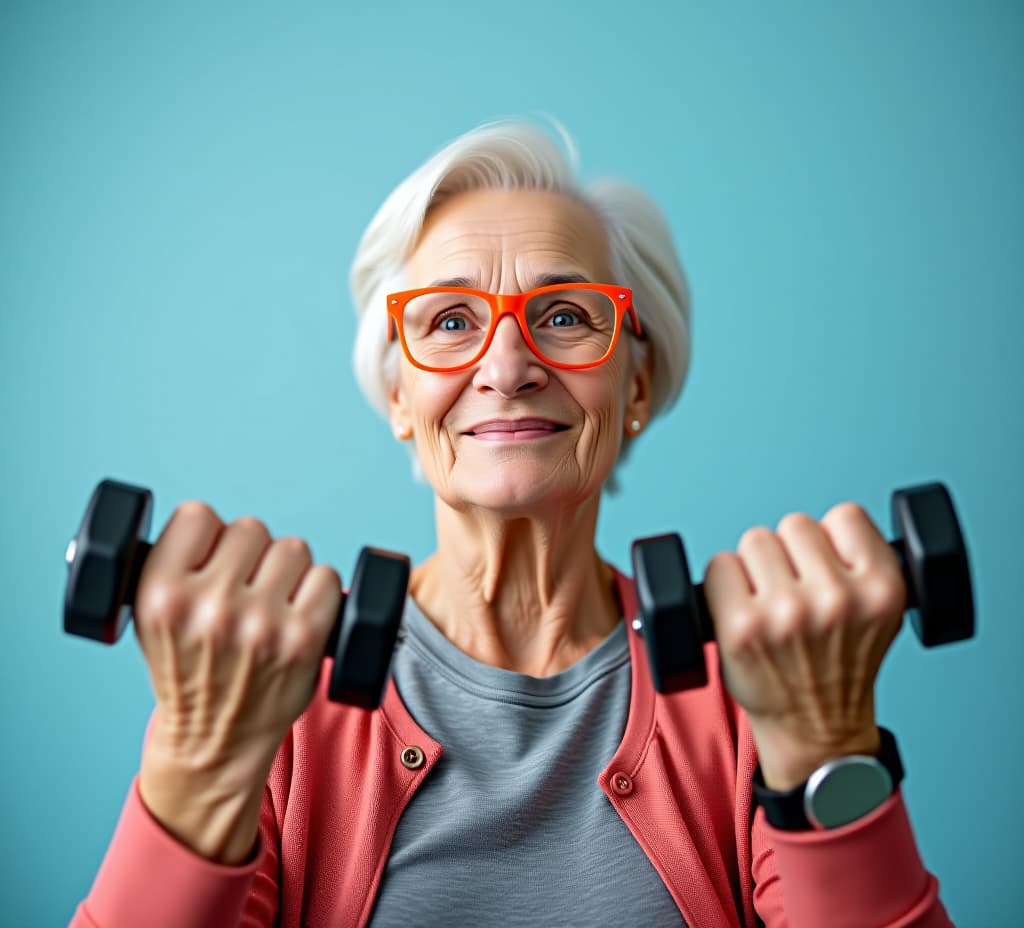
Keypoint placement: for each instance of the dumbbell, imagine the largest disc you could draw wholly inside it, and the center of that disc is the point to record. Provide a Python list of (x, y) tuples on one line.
[(928, 544), (105, 561)]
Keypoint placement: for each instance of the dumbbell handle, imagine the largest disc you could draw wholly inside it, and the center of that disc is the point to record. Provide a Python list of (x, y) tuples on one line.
[(707, 627)]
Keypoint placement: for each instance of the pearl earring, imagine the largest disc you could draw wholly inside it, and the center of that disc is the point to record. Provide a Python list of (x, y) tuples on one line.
[(403, 433), (635, 425)]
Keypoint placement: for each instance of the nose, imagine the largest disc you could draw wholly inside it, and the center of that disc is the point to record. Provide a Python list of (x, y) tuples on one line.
[(509, 367)]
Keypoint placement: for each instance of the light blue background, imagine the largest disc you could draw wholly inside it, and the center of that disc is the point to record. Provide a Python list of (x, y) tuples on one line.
[(183, 186)]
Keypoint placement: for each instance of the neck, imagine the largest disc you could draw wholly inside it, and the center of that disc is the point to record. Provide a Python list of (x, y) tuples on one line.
[(526, 593)]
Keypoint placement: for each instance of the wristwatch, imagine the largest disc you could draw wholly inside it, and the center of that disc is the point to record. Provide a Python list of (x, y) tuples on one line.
[(837, 793)]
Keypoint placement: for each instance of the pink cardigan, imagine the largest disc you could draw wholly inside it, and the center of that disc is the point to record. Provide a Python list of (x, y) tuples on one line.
[(680, 780)]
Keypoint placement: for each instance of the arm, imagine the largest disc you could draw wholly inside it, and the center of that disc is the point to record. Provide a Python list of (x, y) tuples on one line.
[(803, 618), (233, 627)]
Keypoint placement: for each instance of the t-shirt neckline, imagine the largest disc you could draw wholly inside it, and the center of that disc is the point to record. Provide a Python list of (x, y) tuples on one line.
[(498, 684)]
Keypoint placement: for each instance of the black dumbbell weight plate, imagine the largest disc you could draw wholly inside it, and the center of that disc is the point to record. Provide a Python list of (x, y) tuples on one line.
[(370, 622), (935, 564), (103, 561), (669, 613)]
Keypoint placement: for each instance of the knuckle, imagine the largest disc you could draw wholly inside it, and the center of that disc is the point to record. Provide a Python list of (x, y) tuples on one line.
[(794, 521), (195, 509), (882, 594), (745, 631), (330, 576), (833, 605), (295, 547), (300, 643), (718, 559), (755, 535), (712, 572), (258, 632), (252, 526), (848, 511), (789, 613), (163, 604), (215, 616), (326, 582)]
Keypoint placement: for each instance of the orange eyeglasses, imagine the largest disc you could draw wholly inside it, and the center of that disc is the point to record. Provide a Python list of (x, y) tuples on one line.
[(571, 326)]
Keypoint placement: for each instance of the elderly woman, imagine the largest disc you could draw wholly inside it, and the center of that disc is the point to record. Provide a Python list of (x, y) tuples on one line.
[(519, 333)]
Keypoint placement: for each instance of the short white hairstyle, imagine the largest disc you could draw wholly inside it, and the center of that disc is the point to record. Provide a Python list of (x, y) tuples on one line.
[(515, 154)]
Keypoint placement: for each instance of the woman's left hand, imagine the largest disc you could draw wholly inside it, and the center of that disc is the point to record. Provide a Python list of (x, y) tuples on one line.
[(803, 617)]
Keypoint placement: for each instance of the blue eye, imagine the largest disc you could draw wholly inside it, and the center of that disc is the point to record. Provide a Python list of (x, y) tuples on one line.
[(454, 324), (563, 319)]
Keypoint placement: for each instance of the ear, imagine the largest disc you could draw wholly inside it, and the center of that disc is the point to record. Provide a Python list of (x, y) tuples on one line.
[(398, 412), (638, 390)]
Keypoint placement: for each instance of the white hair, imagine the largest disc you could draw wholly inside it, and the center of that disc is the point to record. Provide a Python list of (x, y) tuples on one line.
[(518, 155)]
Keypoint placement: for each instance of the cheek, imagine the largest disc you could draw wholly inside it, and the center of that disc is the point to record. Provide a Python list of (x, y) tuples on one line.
[(602, 399), (431, 396)]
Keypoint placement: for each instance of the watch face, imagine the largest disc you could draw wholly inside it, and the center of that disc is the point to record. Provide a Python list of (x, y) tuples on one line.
[(846, 789)]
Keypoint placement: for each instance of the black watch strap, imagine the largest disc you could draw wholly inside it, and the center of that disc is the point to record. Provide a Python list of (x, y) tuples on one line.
[(787, 810)]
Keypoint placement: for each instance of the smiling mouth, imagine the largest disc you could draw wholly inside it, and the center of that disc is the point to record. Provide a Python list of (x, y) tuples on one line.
[(516, 430)]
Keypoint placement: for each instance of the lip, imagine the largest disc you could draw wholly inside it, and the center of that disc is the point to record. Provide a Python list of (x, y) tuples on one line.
[(511, 426)]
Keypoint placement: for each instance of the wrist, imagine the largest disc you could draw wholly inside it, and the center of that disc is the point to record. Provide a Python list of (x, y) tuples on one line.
[(214, 813), (838, 792), (786, 762)]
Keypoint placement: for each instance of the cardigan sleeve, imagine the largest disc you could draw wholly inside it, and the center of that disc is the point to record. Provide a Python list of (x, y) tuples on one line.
[(866, 873), (149, 878)]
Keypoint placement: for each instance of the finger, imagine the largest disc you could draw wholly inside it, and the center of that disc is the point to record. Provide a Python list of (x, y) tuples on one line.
[(319, 591), (319, 596), (879, 581), (856, 539), (810, 549), (239, 550), (282, 568), (727, 589), (766, 561), (188, 538)]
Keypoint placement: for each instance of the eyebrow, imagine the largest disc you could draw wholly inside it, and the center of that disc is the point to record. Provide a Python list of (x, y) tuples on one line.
[(544, 280)]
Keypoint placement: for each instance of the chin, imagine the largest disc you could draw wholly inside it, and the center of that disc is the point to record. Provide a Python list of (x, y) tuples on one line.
[(519, 489)]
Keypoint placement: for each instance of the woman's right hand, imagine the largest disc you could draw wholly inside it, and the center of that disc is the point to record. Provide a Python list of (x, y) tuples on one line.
[(233, 626)]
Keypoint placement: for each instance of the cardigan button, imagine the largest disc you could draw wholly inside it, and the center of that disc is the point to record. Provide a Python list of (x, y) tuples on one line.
[(622, 783), (412, 757)]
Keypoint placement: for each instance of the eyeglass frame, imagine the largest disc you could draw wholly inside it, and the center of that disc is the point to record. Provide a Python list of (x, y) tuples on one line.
[(512, 304)]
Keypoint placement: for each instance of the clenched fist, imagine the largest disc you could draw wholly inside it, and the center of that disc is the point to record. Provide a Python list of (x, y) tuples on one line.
[(803, 617), (233, 626)]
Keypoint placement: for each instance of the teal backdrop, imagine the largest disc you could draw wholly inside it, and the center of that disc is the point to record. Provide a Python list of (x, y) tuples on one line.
[(183, 187)]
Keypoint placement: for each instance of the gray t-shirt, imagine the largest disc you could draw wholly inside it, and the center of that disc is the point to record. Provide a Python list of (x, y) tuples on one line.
[(511, 829)]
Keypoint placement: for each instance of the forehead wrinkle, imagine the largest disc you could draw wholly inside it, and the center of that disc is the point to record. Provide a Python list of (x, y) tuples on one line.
[(482, 244), (459, 241), (571, 225), (546, 252)]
